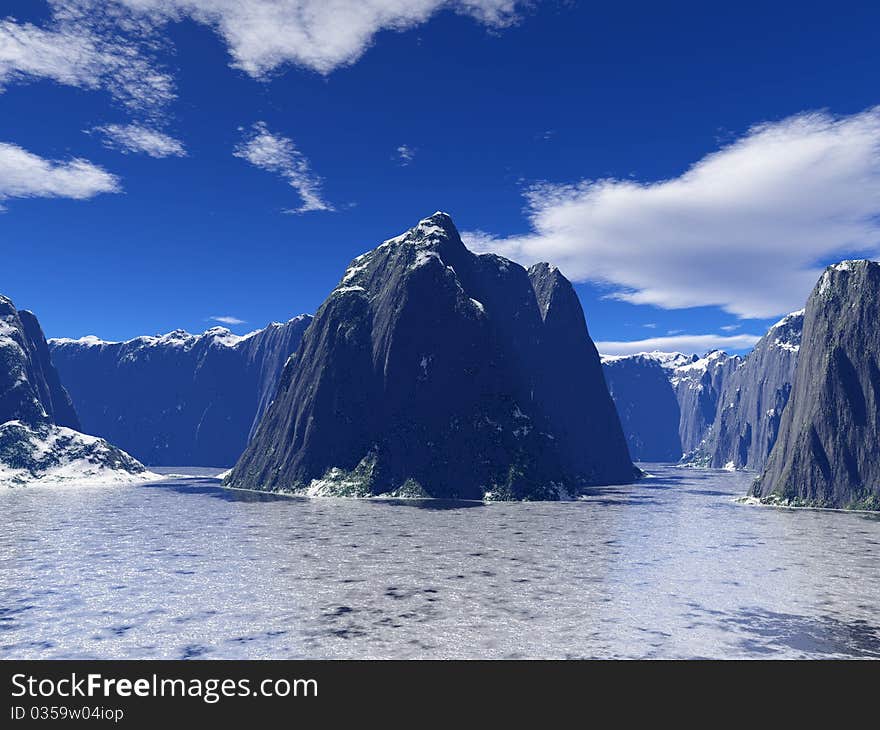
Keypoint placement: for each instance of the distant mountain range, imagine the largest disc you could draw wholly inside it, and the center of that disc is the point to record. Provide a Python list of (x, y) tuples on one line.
[(39, 437), (802, 408), (753, 399), (729, 407), (431, 371), (642, 385), (647, 404), (177, 399)]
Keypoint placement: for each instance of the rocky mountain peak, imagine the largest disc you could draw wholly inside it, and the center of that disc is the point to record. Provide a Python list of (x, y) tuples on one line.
[(30, 389), (826, 453), (549, 284), (846, 278), (430, 370)]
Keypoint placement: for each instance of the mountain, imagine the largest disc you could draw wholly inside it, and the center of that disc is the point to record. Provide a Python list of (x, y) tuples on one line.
[(39, 440), (641, 384), (698, 386), (432, 371), (647, 405), (753, 399), (177, 399), (826, 454), (29, 384), (729, 408)]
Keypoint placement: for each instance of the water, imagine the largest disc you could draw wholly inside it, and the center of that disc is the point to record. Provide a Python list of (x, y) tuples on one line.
[(670, 567)]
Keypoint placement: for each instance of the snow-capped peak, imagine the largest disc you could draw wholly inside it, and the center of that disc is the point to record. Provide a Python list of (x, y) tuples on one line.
[(786, 333), (787, 319), (667, 360)]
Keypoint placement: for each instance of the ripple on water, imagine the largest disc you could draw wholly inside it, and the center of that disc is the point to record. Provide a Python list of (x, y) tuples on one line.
[(667, 567)]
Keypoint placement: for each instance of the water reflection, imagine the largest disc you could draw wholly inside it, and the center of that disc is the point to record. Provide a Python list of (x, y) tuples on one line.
[(667, 567)]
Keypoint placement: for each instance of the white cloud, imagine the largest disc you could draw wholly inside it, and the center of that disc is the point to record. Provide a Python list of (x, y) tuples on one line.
[(262, 35), (116, 46), (731, 327), (26, 175), (28, 51), (746, 228), (137, 138), (89, 50), (227, 319), (688, 344), (279, 154), (405, 154), (113, 44)]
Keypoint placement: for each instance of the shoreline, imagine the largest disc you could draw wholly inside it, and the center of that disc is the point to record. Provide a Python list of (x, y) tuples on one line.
[(749, 501)]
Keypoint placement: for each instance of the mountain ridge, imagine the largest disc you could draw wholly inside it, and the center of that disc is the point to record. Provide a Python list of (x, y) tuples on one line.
[(178, 398), (422, 375)]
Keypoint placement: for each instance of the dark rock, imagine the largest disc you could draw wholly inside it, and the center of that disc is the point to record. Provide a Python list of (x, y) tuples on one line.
[(51, 393), (432, 371), (30, 389)]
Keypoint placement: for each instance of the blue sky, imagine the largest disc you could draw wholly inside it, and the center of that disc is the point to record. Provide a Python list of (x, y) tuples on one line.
[(235, 165)]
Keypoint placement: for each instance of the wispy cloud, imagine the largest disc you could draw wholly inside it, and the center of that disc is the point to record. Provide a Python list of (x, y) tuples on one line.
[(731, 327), (137, 138), (688, 344), (263, 35), (746, 228), (405, 154), (86, 48), (26, 175), (117, 46), (279, 155), (227, 319), (112, 44)]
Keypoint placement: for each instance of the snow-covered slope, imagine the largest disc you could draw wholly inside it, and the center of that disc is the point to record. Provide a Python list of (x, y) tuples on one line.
[(36, 443), (53, 455)]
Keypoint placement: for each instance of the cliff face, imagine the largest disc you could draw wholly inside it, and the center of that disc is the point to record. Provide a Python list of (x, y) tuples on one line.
[(730, 407), (30, 389), (178, 399), (753, 399), (827, 451), (264, 356), (647, 405), (432, 371), (38, 439), (698, 386)]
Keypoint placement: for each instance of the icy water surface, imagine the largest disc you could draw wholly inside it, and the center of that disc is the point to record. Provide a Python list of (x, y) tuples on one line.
[(669, 567)]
